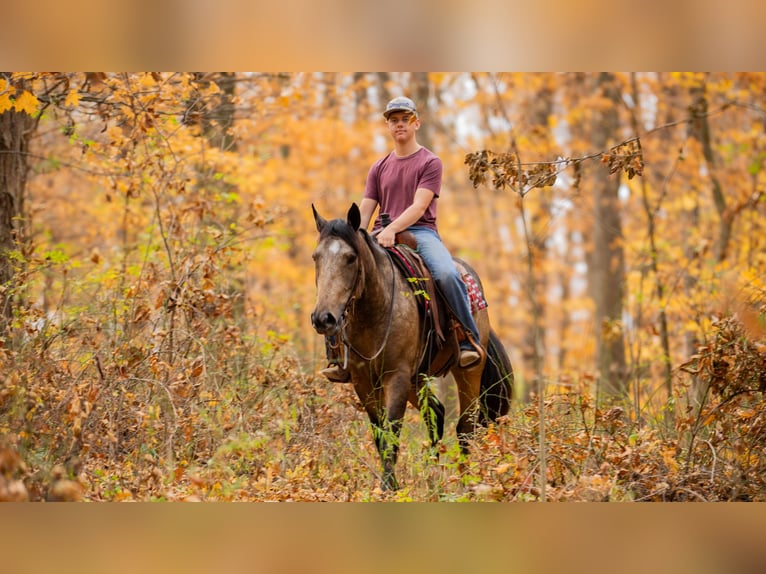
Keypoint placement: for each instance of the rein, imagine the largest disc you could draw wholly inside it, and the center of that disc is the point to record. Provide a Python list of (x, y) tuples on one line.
[(347, 343)]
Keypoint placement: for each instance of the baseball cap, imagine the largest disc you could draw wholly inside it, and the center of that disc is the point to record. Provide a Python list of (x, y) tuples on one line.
[(400, 104)]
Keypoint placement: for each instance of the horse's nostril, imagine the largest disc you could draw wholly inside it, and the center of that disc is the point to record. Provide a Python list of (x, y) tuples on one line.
[(323, 321)]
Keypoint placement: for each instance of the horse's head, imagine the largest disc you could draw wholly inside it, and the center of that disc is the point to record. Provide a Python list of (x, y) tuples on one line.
[(338, 269)]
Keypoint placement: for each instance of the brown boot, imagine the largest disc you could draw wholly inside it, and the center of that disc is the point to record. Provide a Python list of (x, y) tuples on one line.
[(336, 374), (470, 352), (468, 357)]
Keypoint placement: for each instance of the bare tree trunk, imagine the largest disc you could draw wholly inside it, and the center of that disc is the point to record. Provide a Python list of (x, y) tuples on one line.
[(607, 264), (15, 130), (385, 95), (421, 91), (217, 121), (700, 130), (565, 278), (536, 110)]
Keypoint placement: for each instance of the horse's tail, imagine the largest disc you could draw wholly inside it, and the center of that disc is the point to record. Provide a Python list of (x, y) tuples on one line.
[(496, 381)]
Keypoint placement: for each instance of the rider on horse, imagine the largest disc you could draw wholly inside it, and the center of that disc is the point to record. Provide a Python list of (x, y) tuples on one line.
[(406, 184)]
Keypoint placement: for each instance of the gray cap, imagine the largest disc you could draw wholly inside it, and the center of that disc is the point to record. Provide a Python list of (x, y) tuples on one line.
[(400, 104)]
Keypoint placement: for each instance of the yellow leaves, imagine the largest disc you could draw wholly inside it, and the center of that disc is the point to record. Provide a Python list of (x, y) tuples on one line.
[(752, 277), (6, 91), (669, 458), (72, 99), (147, 81), (689, 202), (26, 102)]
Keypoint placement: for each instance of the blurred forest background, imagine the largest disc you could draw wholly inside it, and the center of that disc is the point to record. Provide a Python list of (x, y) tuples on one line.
[(156, 282)]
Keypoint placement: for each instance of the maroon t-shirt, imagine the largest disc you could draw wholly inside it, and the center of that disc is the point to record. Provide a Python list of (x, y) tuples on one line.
[(392, 182)]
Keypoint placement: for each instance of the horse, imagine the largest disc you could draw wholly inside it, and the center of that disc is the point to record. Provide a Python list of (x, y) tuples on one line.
[(366, 302)]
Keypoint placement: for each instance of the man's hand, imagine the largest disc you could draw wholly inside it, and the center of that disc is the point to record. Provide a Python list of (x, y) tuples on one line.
[(386, 237)]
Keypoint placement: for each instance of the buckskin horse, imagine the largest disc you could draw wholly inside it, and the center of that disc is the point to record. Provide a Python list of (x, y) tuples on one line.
[(394, 344)]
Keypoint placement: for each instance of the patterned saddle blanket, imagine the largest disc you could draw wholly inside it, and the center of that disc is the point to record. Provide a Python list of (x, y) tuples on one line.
[(422, 284)]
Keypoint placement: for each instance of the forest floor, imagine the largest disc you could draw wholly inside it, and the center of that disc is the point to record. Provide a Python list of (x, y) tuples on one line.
[(296, 437)]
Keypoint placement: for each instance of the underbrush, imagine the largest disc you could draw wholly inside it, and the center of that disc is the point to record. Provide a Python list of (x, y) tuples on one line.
[(233, 417)]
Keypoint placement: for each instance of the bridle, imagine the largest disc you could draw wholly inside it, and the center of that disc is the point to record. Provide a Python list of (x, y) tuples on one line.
[(349, 303)]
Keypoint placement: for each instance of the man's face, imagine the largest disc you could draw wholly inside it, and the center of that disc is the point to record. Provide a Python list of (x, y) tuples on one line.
[(402, 125)]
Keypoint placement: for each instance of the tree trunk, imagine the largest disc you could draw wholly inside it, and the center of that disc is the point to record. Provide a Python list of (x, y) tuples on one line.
[(537, 109), (15, 129), (218, 120), (421, 91), (700, 130), (383, 79), (607, 264)]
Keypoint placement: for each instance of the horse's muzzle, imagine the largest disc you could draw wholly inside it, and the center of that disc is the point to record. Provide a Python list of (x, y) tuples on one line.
[(324, 323)]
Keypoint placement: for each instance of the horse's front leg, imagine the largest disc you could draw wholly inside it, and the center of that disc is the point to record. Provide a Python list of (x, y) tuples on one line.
[(431, 410), (386, 434), (386, 421)]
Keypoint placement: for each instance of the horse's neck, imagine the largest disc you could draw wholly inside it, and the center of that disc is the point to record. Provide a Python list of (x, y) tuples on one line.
[(375, 300)]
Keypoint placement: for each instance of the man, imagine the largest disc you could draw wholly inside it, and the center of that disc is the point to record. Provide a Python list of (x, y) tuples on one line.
[(406, 184)]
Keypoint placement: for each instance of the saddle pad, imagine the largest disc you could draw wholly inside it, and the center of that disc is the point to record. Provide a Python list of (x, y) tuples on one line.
[(475, 296)]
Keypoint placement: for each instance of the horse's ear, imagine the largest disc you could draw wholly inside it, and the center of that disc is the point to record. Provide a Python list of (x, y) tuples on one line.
[(320, 221), (354, 217)]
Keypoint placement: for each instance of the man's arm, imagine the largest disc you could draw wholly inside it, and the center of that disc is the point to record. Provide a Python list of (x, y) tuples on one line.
[(423, 198), (367, 208)]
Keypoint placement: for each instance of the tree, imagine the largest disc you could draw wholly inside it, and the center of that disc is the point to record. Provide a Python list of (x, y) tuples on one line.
[(421, 91), (17, 123), (606, 266)]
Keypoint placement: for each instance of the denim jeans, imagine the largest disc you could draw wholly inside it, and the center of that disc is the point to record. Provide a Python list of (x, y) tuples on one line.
[(439, 261)]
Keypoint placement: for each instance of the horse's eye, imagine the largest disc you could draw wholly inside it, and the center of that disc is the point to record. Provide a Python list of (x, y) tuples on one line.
[(350, 258)]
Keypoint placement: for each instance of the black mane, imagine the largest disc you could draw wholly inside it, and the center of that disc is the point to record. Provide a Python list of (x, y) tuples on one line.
[(339, 228)]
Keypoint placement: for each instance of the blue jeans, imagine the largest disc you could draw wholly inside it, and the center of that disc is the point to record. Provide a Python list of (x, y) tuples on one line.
[(439, 261)]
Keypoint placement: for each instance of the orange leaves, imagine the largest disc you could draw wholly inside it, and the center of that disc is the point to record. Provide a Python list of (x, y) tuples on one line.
[(506, 171), (186, 274), (627, 157)]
